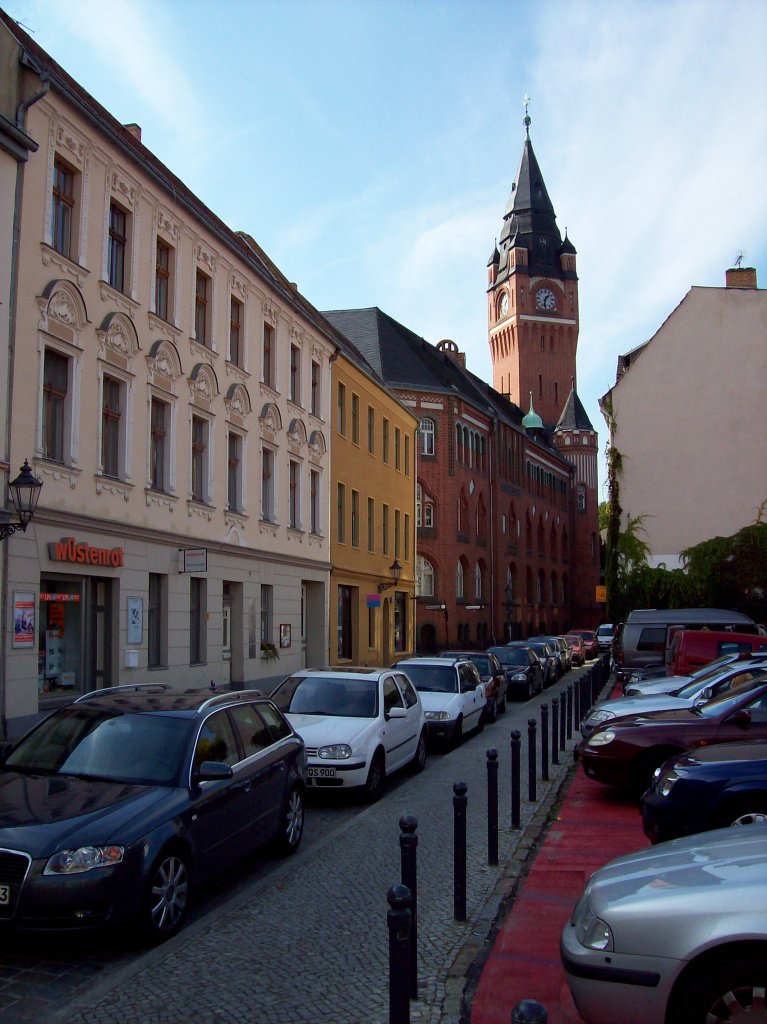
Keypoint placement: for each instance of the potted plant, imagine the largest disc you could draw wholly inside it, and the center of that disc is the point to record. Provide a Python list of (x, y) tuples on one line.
[(269, 652)]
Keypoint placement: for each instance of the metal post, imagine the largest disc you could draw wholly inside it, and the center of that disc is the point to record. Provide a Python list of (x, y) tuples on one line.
[(408, 845), (569, 710), (398, 920), (555, 730), (516, 742), (545, 742), (492, 806), (531, 730), (459, 850), (562, 720)]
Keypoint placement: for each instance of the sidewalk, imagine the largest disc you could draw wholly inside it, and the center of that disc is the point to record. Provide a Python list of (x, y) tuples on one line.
[(593, 825)]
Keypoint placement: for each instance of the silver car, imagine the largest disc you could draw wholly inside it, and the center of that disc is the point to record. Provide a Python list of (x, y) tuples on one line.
[(667, 684), (676, 934), (695, 691)]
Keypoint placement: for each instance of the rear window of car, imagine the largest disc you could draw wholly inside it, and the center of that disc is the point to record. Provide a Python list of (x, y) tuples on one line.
[(328, 695), (652, 638), (433, 678)]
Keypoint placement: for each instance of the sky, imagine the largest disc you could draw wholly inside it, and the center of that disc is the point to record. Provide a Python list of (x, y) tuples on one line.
[(370, 146)]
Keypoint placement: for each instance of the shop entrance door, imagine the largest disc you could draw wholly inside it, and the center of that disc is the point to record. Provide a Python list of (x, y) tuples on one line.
[(100, 657)]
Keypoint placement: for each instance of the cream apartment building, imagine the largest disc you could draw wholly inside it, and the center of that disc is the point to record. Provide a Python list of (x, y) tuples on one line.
[(172, 393), (685, 414)]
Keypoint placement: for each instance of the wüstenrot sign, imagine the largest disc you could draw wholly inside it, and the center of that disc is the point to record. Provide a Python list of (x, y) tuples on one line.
[(68, 550)]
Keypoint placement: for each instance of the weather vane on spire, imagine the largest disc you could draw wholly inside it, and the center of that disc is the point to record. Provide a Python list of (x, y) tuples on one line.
[(526, 121)]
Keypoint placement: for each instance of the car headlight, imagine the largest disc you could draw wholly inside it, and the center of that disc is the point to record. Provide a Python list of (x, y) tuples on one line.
[(593, 933), (335, 751), (601, 738), (519, 677), (86, 858), (665, 783), (594, 718), (436, 716)]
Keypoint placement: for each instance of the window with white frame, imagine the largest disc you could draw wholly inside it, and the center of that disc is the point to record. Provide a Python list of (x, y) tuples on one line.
[(234, 489), (294, 389), (397, 531), (355, 519), (200, 459), (56, 405), (426, 432), (113, 426), (424, 577), (460, 582), (294, 494), (235, 331), (267, 484), (118, 251), (267, 356), (164, 270), (406, 544), (159, 445), (203, 296), (385, 529), (478, 581), (341, 513), (267, 602), (355, 418), (315, 522), (371, 524), (63, 209), (316, 406)]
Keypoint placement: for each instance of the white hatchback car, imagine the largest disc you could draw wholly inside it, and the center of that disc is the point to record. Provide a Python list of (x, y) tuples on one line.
[(359, 724), (452, 693)]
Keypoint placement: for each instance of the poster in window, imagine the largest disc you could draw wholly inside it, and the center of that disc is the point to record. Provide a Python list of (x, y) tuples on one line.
[(135, 619), (23, 619), (285, 634)]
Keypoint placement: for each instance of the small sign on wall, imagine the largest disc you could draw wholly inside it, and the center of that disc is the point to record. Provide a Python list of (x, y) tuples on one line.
[(285, 640), (193, 560), (23, 619)]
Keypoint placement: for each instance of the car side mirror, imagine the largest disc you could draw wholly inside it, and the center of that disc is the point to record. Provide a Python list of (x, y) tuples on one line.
[(742, 717), (705, 694), (395, 712), (213, 771)]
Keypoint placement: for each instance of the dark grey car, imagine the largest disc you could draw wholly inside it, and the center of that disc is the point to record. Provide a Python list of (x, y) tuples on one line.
[(524, 672)]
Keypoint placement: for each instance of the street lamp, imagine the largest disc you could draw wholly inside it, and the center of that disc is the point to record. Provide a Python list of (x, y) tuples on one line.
[(396, 572), (25, 493)]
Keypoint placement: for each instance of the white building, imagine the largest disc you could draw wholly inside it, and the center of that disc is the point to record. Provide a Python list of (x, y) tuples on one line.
[(686, 416), (172, 394)]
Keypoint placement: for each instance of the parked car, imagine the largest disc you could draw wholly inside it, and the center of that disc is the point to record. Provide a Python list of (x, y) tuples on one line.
[(674, 934), (707, 788), (359, 724), (590, 642), (524, 672), (114, 808), (577, 650), (691, 649), (452, 693), (627, 752), (604, 636), (559, 649), (493, 679), (666, 684), (695, 691), (545, 655)]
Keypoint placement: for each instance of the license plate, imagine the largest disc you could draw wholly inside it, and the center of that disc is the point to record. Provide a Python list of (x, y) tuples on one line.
[(321, 773), (5, 895)]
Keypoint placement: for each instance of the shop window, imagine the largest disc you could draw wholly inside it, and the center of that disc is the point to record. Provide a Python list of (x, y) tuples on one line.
[(344, 624), (60, 637), (400, 620), (157, 621), (197, 618)]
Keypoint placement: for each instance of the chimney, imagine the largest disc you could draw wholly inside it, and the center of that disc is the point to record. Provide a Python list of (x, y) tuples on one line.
[(740, 277), (134, 129), (450, 349)]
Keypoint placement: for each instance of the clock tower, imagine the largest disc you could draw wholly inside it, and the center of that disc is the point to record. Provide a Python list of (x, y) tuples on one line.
[(532, 297)]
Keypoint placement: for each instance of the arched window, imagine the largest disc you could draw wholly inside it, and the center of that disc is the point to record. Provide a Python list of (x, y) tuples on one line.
[(481, 519), (424, 577), (426, 431), (459, 580), (463, 513), (478, 581), (458, 443), (424, 508)]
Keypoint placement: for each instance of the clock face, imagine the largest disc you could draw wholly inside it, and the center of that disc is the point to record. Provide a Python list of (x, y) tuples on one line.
[(545, 299), (504, 304)]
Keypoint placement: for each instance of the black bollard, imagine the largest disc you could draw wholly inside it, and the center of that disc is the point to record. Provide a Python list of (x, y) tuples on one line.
[(492, 806), (531, 729), (408, 847), (459, 850), (545, 742), (569, 711), (516, 742), (563, 721), (398, 920), (555, 730), (529, 1011)]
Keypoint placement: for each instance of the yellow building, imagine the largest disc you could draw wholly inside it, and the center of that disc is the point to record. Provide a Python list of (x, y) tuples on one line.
[(372, 516)]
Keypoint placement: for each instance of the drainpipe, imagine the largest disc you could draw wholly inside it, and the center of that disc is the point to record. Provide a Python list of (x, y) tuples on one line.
[(491, 489)]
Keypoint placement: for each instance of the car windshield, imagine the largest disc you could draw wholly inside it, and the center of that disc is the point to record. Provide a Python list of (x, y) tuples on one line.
[(433, 678), (512, 656), (147, 749), (328, 695)]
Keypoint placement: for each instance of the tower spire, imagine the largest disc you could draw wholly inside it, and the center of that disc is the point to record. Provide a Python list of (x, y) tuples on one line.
[(526, 120)]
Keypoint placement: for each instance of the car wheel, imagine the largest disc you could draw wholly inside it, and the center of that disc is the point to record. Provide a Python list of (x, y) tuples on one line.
[(374, 786), (481, 723), (419, 760), (748, 811), (291, 823), (529, 690), (492, 714), (166, 898), (455, 739), (502, 706), (731, 990)]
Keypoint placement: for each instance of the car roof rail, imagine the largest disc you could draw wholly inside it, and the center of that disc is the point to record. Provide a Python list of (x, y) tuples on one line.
[(229, 697), (107, 691)]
